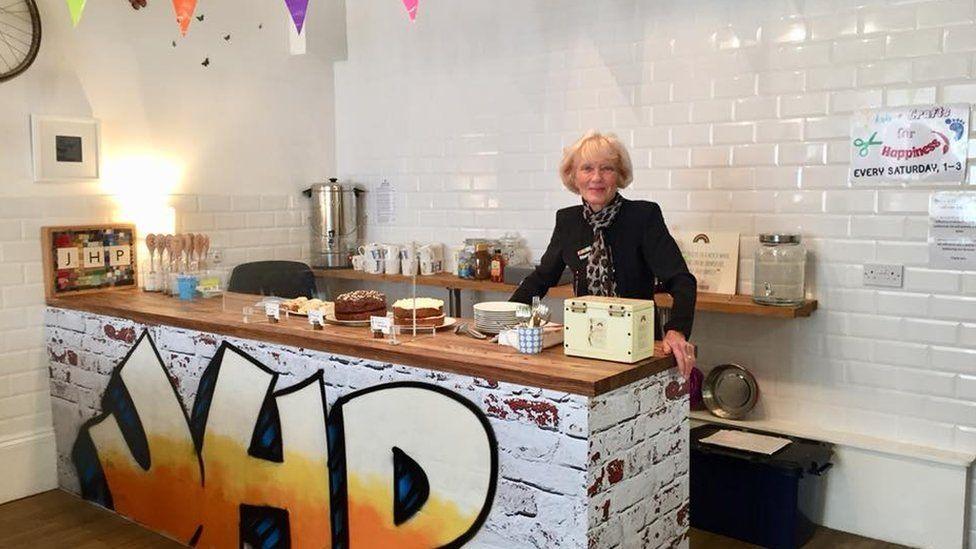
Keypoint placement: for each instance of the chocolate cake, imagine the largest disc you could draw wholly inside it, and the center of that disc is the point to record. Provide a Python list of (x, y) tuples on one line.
[(360, 305)]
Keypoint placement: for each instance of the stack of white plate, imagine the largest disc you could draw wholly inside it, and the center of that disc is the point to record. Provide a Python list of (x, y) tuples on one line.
[(492, 317)]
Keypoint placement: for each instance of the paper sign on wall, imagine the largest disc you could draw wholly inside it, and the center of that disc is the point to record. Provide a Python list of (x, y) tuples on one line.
[(385, 205), (952, 230), (922, 143), (712, 257)]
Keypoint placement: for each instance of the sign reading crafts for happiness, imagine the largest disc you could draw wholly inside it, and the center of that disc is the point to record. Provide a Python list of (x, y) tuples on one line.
[(922, 143)]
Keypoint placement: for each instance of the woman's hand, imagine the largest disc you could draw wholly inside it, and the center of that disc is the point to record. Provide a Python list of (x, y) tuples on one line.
[(684, 352)]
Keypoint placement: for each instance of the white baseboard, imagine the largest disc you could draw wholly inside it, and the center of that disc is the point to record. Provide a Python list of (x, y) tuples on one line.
[(29, 465), (886, 490)]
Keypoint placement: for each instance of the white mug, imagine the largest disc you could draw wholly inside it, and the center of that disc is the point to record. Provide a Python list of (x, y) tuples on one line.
[(391, 250), (392, 265), (409, 266), (357, 262), (371, 251), (408, 251), (373, 266), (425, 253), (429, 266)]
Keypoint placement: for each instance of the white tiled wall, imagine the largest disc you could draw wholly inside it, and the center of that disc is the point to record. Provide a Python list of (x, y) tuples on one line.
[(736, 115), (245, 228)]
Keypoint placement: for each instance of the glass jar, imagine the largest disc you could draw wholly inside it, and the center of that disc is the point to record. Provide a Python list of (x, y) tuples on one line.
[(780, 263), (482, 262)]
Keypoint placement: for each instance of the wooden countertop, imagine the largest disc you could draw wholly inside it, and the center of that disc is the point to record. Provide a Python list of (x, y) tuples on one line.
[(717, 303), (445, 352)]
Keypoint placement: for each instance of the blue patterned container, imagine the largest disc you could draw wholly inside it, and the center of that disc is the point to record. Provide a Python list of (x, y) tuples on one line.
[(529, 339)]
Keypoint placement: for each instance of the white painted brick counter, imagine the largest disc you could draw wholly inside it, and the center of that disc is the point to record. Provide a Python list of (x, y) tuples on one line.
[(574, 471)]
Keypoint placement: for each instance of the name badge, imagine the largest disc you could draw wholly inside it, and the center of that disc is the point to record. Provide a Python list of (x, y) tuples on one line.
[(584, 253)]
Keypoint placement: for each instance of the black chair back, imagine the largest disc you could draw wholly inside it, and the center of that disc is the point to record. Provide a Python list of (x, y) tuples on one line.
[(279, 278)]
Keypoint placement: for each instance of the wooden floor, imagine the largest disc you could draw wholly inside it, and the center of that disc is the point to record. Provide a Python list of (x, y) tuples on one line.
[(823, 538), (59, 520)]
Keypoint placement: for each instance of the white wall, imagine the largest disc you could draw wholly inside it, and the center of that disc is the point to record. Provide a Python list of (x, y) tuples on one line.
[(257, 119), (737, 118), (237, 140)]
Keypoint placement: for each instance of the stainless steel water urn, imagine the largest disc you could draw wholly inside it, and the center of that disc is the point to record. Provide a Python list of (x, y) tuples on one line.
[(336, 223)]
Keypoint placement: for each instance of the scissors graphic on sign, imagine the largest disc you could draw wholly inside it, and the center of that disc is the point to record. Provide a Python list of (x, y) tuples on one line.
[(862, 145)]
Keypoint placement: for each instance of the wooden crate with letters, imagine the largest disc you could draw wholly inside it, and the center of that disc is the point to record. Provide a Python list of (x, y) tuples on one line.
[(89, 258)]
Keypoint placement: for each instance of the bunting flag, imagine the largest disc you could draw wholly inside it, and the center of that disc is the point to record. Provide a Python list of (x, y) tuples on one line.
[(297, 9), (75, 7), (411, 6), (184, 13)]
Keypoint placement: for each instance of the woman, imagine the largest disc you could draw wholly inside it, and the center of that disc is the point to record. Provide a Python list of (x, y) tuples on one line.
[(614, 246)]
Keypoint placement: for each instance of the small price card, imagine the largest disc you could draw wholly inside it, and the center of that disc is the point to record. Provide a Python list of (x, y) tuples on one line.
[(273, 310), (316, 318), (381, 323)]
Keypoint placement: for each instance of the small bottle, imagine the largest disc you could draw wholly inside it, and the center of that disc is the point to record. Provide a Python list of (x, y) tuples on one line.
[(498, 266), (482, 263)]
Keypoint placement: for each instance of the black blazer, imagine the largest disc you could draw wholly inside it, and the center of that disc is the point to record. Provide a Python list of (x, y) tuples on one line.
[(643, 250)]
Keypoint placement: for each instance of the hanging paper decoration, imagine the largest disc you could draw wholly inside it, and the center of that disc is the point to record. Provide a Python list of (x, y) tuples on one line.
[(297, 9), (184, 13), (75, 7), (411, 6)]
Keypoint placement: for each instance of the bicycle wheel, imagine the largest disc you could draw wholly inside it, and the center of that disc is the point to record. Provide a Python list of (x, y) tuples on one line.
[(20, 36)]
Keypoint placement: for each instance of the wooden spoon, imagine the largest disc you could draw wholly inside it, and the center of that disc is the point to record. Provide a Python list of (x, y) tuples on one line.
[(178, 250), (206, 246), (151, 246), (198, 247), (188, 248), (168, 248)]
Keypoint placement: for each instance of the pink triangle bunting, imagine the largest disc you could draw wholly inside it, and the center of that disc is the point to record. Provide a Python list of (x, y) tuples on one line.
[(184, 13), (411, 6), (297, 9)]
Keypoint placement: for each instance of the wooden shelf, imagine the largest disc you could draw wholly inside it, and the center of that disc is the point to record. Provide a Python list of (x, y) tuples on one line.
[(741, 305), (716, 303)]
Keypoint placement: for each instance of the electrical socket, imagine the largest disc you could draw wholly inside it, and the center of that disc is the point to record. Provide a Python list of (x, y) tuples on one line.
[(880, 274)]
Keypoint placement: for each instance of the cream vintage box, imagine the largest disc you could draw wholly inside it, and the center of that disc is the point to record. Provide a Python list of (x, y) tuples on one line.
[(609, 328)]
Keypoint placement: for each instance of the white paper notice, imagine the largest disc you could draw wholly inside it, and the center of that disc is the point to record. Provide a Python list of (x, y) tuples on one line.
[(385, 203), (750, 442), (952, 230)]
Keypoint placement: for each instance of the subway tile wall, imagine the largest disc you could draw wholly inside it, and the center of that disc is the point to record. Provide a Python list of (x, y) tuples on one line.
[(244, 228), (736, 115)]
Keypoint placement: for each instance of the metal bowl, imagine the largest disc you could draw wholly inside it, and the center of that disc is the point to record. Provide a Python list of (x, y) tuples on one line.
[(730, 391)]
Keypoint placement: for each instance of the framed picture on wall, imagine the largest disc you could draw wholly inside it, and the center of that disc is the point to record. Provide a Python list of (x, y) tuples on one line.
[(65, 149)]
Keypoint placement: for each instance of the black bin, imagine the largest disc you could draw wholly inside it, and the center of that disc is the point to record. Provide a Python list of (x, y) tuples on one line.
[(772, 501)]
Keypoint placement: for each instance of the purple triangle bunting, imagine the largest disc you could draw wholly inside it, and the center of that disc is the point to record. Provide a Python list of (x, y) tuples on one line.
[(297, 9)]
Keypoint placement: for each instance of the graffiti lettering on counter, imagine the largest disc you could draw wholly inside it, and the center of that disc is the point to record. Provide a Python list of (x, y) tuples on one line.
[(395, 465)]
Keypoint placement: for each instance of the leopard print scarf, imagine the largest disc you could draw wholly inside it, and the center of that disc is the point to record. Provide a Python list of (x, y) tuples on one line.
[(600, 278)]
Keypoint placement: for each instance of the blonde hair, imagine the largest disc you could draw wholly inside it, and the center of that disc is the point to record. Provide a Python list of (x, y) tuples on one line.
[(595, 145)]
